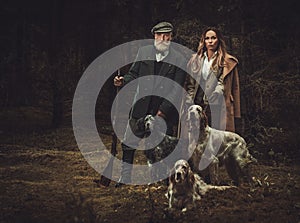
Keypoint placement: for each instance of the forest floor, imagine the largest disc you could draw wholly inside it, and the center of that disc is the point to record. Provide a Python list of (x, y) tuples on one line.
[(45, 178)]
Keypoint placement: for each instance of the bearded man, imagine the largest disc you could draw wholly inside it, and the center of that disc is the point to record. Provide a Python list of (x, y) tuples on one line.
[(152, 60)]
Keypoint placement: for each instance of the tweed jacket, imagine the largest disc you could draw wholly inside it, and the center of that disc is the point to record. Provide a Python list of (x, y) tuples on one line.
[(228, 75), (145, 65)]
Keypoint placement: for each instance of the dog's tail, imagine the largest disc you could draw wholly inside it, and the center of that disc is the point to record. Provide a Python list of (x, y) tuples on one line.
[(253, 160), (220, 188), (250, 158), (208, 187)]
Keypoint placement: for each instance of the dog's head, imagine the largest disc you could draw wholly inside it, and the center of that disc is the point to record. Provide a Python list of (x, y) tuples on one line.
[(154, 123), (149, 123), (182, 171), (197, 117)]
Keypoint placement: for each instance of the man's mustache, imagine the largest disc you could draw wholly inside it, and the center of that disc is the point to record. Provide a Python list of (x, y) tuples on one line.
[(162, 42)]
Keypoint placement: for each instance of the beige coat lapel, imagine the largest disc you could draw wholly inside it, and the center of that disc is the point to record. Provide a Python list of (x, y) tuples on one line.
[(231, 62)]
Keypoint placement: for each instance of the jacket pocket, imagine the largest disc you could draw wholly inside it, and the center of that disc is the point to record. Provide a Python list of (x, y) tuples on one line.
[(231, 106)]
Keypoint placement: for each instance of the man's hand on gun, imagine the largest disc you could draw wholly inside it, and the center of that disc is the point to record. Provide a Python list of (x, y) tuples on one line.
[(118, 81), (161, 114)]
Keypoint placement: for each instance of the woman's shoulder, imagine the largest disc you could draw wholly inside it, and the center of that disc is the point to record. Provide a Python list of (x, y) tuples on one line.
[(231, 59), (196, 55), (230, 63), (194, 58)]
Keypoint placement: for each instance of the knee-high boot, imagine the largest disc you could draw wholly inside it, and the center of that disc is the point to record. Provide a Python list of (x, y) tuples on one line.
[(127, 161)]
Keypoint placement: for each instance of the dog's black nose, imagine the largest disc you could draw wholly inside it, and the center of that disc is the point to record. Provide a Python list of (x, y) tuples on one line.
[(178, 176)]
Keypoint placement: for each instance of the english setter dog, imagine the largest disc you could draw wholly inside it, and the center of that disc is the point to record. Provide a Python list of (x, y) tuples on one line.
[(186, 187), (165, 145), (217, 147)]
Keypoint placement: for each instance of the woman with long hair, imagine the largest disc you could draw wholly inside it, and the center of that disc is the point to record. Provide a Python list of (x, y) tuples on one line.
[(213, 82)]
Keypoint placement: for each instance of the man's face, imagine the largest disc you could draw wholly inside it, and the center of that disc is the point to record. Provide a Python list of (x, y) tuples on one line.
[(162, 41)]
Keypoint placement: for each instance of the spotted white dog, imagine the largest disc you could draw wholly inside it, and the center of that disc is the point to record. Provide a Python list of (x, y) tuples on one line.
[(165, 146), (217, 147), (186, 187)]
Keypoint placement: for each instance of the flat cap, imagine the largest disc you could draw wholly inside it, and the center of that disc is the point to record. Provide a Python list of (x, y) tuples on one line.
[(162, 27)]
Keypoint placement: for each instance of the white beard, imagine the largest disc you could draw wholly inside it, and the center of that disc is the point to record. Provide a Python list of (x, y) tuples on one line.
[(162, 46)]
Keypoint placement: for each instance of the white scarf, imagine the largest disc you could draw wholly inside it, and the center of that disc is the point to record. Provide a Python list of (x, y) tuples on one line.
[(161, 55), (207, 65)]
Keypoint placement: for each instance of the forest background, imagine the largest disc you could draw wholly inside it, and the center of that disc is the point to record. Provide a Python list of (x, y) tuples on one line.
[(45, 48), (47, 45)]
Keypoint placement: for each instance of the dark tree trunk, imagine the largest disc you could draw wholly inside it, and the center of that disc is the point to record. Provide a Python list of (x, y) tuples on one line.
[(57, 98), (18, 87)]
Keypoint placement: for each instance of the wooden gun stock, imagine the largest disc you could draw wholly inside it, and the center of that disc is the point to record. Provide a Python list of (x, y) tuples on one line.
[(107, 173)]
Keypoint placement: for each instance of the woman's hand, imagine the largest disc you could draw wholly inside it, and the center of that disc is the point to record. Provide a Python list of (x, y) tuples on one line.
[(217, 93)]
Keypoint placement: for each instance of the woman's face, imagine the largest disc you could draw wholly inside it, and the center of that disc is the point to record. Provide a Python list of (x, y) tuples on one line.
[(211, 40)]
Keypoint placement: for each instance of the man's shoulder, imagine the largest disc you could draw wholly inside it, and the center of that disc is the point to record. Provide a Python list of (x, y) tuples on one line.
[(178, 56), (176, 52)]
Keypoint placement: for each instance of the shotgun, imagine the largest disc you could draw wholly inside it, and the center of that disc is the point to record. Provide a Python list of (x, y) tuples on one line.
[(105, 181)]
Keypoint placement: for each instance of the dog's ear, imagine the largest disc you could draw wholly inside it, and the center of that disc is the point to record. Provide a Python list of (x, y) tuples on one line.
[(140, 124), (203, 121), (172, 179), (191, 177)]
